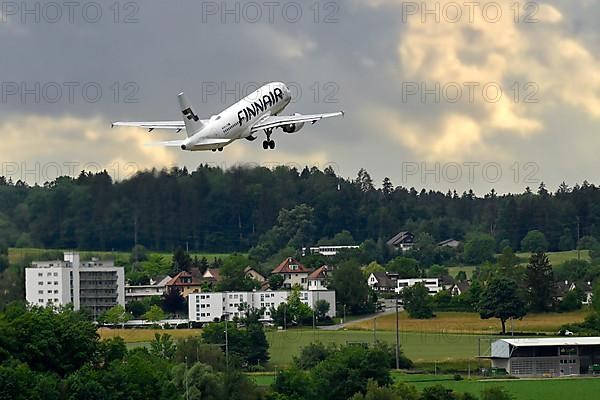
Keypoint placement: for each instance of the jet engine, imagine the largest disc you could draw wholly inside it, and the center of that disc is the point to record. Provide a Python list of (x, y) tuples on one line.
[(293, 128)]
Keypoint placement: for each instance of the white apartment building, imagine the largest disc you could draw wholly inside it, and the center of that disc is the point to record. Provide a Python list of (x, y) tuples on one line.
[(208, 307), (433, 285), (93, 285)]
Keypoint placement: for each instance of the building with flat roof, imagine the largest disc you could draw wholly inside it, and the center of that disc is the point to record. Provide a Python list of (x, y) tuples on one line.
[(94, 285), (433, 285), (140, 292), (213, 306), (327, 251), (531, 357)]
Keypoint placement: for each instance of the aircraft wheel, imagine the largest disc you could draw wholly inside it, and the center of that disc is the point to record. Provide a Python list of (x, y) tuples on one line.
[(220, 149), (272, 144), (214, 150), (265, 145)]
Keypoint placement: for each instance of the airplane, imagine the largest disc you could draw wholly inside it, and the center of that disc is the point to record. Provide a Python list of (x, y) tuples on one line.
[(259, 111)]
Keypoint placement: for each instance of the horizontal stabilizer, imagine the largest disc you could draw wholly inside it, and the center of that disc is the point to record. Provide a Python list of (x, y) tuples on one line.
[(169, 143)]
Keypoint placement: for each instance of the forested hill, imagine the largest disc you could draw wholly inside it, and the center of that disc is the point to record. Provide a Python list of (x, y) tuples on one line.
[(216, 210)]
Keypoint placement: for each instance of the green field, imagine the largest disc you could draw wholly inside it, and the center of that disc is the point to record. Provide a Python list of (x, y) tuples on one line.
[(559, 257), (16, 255), (521, 389), (556, 258), (464, 322), (423, 348)]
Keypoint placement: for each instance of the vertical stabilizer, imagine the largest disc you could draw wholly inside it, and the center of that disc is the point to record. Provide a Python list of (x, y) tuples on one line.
[(192, 121)]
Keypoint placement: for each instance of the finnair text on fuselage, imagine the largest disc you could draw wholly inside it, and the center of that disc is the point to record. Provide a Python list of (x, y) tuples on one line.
[(262, 104)]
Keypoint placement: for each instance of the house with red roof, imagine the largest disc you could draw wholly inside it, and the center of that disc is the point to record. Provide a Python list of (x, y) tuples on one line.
[(293, 272), (317, 280), (186, 283)]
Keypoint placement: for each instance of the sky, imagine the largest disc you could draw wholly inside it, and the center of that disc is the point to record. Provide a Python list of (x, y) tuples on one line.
[(439, 95)]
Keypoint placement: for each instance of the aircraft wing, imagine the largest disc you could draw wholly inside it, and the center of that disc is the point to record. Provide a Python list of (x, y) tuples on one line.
[(176, 125), (178, 143), (277, 121)]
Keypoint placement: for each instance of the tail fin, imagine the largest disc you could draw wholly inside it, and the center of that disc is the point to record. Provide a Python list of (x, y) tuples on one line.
[(192, 121)]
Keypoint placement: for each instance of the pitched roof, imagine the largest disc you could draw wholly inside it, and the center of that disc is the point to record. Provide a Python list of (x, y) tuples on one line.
[(178, 280), (449, 243), (463, 286), (290, 265), (249, 271), (319, 273), (383, 279), (447, 280), (400, 238), (212, 274)]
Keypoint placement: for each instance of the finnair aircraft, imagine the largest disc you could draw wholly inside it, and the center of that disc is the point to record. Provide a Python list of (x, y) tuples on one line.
[(259, 111)]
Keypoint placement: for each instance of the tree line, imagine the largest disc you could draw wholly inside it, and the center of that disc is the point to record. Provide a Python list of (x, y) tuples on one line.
[(211, 209)]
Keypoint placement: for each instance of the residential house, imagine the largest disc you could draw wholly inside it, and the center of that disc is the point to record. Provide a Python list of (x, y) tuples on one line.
[(211, 275), (381, 282), (433, 285), (254, 274), (186, 282), (293, 272), (447, 282), (140, 292), (460, 288), (317, 280), (403, 241), (564, 287), (452, 243)]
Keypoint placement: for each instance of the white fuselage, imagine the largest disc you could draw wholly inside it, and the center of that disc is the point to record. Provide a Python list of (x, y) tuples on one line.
[(236, 121)]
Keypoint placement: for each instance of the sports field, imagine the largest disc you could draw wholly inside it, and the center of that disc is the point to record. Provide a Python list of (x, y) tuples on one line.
[(521, 389), (423, 348)]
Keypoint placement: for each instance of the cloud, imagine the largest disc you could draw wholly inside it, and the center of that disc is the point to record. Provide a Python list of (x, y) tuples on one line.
[(38, 149), (527, 61), (36, 146)]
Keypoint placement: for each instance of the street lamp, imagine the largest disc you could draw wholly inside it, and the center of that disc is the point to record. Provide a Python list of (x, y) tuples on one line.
[(397, 337), (226, 315)]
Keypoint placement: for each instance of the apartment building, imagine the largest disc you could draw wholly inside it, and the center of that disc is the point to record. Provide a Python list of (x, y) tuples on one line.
[(94, 285), (208, 307)]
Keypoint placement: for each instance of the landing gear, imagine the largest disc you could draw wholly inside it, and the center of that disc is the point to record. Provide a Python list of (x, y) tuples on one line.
[(220, 149), (268, 144)]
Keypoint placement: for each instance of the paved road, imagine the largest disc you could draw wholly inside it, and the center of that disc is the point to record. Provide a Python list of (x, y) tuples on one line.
[(354, 321)]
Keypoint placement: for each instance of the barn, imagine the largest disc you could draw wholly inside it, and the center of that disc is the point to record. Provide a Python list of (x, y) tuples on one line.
[(546, 357)]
